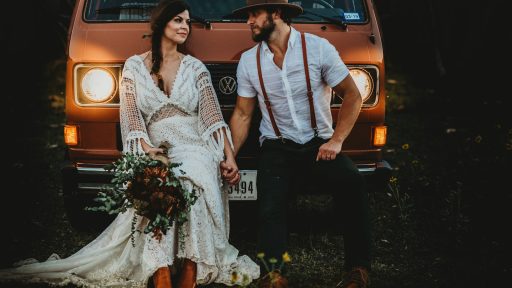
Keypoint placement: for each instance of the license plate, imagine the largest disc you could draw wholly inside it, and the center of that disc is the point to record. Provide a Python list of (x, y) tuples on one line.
[(246, 188)]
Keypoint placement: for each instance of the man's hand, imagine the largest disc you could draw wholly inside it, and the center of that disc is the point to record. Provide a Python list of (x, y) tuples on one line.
[(229, 171), (329, 150)]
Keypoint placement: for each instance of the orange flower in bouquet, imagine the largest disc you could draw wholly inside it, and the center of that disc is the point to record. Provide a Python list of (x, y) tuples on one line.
[(149, 185)]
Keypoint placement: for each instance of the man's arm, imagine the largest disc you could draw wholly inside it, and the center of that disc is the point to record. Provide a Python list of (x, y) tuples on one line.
[(347, 117), (349, 110), (240, 121)]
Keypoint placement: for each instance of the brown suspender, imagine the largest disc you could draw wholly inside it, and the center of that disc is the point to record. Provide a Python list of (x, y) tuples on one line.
[(308, 83), (264, 91)]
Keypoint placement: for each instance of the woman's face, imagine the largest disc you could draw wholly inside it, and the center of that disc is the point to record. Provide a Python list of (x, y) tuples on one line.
[(178, 28)]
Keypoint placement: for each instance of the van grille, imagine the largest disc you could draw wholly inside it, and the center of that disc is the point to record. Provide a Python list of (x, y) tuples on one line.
[(224, 81)]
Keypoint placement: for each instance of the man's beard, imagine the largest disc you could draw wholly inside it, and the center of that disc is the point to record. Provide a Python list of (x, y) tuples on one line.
[(265, 31)]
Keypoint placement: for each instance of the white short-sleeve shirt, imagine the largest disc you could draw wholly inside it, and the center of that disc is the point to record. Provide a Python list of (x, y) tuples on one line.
[(286, 88)]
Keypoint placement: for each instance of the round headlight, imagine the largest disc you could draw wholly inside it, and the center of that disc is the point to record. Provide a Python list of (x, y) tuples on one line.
[(363, 81), (98, 85)]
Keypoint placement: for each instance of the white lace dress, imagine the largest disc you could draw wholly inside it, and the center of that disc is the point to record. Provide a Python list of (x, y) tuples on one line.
[(189, 120)]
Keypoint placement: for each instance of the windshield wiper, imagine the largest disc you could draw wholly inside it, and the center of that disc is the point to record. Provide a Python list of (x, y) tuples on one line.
[(336, 21), (202, 20)]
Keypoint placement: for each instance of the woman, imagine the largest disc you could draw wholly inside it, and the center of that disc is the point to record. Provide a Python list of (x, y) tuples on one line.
[(166, 98)]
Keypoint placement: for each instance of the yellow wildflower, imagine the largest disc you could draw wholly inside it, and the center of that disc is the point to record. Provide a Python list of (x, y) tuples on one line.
[(286, 257)]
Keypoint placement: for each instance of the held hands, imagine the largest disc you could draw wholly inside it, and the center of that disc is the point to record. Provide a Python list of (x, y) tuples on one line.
[(329, 150), (229, 170)]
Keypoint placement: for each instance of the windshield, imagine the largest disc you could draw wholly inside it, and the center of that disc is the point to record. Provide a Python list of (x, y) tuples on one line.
[(316, 11)]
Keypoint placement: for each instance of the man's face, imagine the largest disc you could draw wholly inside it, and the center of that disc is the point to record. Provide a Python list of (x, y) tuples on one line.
[(262, 25)]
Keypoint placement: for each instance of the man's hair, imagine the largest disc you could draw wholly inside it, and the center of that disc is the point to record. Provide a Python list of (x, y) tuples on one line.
[(285, 15)]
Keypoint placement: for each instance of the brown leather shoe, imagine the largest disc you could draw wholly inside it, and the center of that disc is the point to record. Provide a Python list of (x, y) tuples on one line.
[(355, 278), (188, 274), (162, 278), (273, 279)]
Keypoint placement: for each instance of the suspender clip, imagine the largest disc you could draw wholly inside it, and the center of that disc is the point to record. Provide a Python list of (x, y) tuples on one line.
[(316, 131)]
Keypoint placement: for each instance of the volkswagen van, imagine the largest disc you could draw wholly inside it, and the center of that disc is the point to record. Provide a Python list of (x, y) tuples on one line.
[(104, 33)]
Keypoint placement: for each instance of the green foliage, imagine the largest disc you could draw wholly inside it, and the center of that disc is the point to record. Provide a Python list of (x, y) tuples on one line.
[(150, 187)]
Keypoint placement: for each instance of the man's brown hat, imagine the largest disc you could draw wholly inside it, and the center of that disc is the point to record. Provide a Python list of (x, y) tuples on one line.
[(292, 9)]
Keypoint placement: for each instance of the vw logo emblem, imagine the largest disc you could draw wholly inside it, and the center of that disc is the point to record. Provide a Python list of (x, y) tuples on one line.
[(227, 85)]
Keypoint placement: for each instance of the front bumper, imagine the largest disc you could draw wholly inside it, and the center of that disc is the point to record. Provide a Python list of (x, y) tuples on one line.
[(89, 179)]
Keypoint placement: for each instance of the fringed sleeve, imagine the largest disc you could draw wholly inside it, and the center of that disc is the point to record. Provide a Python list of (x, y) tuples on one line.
[(211, 122), (132, 124)]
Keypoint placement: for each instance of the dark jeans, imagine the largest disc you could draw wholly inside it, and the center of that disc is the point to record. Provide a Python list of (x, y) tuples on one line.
[(277, 167)]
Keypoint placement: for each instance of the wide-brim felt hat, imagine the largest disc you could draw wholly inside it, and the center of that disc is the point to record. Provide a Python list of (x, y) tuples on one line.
[(293, 10)]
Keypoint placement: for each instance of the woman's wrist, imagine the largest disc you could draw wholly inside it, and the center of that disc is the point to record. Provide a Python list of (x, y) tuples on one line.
[(145, 146)]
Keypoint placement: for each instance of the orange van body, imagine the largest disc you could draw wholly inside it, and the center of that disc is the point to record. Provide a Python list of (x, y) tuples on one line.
[(93, 134)]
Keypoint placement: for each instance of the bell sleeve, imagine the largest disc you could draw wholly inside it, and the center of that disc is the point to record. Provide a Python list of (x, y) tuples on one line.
[(133, 128), (211, 122)]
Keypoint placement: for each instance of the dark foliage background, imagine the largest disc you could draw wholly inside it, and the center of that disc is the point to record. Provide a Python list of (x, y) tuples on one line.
[(454, 49), (450, 138)]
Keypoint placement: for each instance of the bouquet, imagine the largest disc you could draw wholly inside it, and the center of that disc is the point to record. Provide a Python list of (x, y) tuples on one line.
[(149, 185)]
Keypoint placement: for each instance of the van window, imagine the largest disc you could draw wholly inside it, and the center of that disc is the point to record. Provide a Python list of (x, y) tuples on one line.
[(315, 11)]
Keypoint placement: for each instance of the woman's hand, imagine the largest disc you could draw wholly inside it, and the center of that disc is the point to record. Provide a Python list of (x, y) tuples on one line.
[(151, 151), (229, 170)]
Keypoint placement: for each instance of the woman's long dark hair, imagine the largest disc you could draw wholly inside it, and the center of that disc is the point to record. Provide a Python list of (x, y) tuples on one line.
[(161, 15)]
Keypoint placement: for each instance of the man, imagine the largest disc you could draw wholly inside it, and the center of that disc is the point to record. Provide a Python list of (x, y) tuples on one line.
[(296, 130)]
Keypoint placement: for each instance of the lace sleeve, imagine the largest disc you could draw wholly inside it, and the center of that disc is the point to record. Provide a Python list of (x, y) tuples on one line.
[(211, 122), (132, 124)]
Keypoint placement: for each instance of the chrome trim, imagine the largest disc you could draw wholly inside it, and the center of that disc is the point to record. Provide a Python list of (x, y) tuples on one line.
[(93, 171), (384, 165), (366, 169), (370, 168), (75, 84), (93, 186)]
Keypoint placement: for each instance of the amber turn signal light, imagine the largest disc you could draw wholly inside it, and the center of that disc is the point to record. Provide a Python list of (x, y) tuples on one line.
[(379, 135), (71, 135)]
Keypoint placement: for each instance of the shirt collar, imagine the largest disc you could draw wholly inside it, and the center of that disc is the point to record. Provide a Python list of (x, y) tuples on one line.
[(291, 40)]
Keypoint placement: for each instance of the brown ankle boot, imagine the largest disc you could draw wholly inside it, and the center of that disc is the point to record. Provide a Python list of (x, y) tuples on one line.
[(188, 274), (162, 278), (355, 278), (273, 279)]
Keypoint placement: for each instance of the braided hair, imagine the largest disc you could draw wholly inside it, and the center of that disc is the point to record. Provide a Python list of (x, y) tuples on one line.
[(161, 15)]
